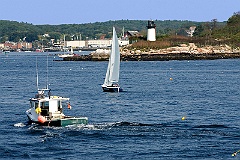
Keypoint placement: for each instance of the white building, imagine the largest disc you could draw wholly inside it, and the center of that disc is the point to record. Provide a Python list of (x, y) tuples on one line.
[(1, 45), (98, 43), (94, 43), (123, 42), (75, 44)]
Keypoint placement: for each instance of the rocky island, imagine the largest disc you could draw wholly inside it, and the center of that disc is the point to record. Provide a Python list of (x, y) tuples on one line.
[(182, 52)]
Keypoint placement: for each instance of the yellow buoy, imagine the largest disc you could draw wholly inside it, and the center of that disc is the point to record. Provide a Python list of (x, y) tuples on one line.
[(170, 79), (183, 118), (235, 153)]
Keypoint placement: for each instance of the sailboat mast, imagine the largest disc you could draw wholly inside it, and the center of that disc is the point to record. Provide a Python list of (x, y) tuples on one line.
[(64, 43)]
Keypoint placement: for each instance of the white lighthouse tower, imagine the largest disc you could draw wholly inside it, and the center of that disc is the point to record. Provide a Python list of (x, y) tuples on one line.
[(151, 33)]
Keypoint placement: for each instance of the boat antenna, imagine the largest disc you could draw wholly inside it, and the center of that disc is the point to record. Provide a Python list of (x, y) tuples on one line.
[(64, 43), (47, 73), (37, 74)]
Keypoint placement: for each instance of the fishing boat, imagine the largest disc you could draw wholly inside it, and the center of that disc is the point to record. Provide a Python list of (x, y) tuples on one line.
[(112, 75), (47, 110)]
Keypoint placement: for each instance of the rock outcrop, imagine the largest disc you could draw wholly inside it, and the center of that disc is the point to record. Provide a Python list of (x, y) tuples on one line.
[(181, 52)]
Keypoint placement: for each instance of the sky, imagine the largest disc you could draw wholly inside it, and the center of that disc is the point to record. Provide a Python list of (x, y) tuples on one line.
[(56, 12)]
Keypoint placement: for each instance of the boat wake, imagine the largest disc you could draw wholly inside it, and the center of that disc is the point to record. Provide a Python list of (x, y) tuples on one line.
[(100, 126), (119, 130), (104, 126), (112, 125), (19, 125)]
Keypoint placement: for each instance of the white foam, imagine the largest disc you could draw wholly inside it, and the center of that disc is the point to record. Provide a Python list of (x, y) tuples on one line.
[(19, 125)]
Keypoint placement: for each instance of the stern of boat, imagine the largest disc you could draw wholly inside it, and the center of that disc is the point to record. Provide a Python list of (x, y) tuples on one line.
[(32, 115)]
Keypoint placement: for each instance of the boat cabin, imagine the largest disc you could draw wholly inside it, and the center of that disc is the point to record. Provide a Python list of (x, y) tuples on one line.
[(50, 106)]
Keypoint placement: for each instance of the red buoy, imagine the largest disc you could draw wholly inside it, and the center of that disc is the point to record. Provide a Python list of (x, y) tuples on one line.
[(41, 119), (69, 106)]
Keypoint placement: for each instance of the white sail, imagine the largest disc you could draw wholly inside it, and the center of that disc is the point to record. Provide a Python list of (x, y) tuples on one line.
[(106, 81), (112, 75)]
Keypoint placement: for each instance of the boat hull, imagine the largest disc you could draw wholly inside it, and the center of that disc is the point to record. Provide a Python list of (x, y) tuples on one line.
[(60, 122), (64, 121), (112, 89), (64, 56)]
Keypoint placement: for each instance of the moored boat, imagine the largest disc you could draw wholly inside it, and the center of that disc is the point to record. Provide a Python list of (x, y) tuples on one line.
[(65, 55), (71, 54)]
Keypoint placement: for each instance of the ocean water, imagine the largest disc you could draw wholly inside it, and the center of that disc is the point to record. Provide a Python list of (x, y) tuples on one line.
[(143, 122)]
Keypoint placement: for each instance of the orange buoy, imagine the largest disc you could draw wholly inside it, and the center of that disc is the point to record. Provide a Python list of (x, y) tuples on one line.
[(69, 106), (41, 119)]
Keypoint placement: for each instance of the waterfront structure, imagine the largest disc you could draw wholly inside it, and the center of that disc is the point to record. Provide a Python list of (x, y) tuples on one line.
[(101, 43), (1, 45), (151, 32), (133, 34), (75, 44), (61, 45), (16, 45)]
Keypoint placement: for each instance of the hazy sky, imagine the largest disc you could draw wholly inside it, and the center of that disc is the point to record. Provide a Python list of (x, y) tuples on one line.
[(85, 11)]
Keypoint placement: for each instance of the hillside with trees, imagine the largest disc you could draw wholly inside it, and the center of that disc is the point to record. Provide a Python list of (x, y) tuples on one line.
[(206, 33), (169, 33), (16, 31)]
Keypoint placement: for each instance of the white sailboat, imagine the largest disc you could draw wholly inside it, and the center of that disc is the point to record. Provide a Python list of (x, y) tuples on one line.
[(71, 54), (64, 55), (112, 75)]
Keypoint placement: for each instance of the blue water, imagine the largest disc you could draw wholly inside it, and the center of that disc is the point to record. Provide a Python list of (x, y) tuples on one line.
[(143, 122)]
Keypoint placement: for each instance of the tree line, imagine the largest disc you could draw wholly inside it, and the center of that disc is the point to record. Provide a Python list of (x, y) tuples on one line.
[(172, 30), (17, 31)]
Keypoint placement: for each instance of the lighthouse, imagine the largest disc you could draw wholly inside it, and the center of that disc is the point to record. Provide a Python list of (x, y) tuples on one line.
[(151, 33)]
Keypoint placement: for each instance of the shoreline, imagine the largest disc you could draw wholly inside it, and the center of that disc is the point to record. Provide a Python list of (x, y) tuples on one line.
[(182, 52), (157, 57)]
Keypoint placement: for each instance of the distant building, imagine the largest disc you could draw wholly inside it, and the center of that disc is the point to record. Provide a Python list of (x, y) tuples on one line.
[(19, 45), (133, 34), (9, 45), (101, 43), (191, 31), (1, 45), (26, 45), (98, 43), (75, 44), (123, 42)]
